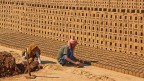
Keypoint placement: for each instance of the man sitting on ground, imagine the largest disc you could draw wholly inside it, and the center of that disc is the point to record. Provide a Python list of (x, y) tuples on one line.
[(65, 54)]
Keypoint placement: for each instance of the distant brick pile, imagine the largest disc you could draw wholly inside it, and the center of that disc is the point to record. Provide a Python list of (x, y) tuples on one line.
[(8, 65)]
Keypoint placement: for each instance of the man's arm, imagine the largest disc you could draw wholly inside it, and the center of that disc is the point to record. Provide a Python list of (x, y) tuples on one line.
[(69, 60), (24, 55), (38, 56)]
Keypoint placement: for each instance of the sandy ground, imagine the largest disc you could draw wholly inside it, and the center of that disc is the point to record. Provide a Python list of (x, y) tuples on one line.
[(54, 72)]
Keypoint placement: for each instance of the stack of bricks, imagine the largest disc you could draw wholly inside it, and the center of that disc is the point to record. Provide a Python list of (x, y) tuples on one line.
[(100, 26)]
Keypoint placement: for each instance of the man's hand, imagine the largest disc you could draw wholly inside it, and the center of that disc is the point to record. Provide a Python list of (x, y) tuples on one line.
[(40, 66), (77, 63)]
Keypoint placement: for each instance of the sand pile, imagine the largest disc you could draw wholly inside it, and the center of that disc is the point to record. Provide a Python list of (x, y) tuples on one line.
[(54, 67), (8, 65)]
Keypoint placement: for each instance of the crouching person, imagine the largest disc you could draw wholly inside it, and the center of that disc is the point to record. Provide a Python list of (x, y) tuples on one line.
[(66, 56), (32, 53)]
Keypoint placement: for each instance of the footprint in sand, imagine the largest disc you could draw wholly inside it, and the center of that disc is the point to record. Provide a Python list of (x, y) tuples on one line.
[(92, 76)]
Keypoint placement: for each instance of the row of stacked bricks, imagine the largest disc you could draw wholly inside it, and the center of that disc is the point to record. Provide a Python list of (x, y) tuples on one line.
[(17, 40), (103, 28), (127, 64)]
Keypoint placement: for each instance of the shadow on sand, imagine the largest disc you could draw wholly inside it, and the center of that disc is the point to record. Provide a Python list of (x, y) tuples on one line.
[(47, 77), (48, 62)]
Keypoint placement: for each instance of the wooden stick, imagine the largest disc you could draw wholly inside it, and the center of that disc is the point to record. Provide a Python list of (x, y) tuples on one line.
[(28, 65)]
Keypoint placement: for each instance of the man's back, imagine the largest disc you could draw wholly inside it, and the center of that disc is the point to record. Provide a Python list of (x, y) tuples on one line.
[(62, 51)]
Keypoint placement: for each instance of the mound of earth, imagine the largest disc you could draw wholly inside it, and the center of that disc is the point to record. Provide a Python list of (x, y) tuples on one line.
[(8, 65)]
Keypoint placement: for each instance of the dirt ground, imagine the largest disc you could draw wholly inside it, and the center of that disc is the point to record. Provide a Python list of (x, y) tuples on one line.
[(54, 72)]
